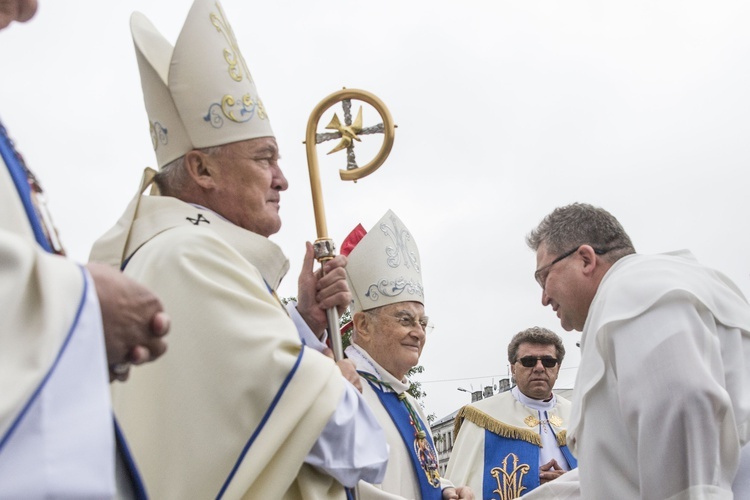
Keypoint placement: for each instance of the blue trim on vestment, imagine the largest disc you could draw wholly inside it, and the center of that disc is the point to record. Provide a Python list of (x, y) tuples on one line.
[(262, 423), (21, 181), (126, 262), (47, 376), (139, 490), (572, 462), (400, 415)]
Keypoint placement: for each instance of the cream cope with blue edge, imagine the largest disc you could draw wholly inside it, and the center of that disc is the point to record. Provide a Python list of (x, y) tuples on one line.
[(384, 267), (199, 93)]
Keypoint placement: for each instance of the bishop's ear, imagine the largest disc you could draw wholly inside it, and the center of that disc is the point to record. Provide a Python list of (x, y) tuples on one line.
[(200, 168), (363, 326)]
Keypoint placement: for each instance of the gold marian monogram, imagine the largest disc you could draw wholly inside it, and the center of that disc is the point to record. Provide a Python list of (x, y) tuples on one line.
[(509, 481), (554, 420)]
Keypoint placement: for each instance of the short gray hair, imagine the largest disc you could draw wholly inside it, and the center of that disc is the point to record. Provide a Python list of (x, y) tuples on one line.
[(581, 224), (536, 335), (173, 177)]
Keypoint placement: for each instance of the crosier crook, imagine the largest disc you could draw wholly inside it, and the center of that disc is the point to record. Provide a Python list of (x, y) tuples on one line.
[(348, 132)]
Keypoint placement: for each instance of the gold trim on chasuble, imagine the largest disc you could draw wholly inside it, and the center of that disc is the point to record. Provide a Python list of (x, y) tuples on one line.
[(510, 475)]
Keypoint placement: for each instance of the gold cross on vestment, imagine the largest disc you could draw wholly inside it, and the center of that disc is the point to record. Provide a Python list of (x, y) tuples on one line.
[(554, 420)]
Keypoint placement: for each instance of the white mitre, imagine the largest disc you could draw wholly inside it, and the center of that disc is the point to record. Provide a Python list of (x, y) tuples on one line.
[(384, 266), (198, 93)]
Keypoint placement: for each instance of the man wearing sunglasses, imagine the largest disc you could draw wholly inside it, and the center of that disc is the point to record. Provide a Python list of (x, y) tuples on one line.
[(661, 406), (512, 442)]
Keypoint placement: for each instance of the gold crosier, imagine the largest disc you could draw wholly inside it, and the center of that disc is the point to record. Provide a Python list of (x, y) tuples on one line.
[(348, 132)]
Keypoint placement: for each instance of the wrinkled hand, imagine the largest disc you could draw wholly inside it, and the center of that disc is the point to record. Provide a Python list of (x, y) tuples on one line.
[(320, 290), (460, 493), (133, 317), (549, 471), (348, 370)]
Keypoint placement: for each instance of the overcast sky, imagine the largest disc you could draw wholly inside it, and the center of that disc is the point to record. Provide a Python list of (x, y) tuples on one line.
[(505, 110)]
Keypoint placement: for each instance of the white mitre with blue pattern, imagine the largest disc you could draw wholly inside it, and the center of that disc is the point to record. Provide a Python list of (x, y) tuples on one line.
[(198, 93), (384, 267)]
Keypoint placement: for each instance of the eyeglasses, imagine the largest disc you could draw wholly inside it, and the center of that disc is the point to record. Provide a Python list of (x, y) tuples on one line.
[(540, 275), (530, 361), (408, 321)]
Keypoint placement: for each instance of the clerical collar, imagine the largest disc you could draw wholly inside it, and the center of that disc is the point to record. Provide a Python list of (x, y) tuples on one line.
[(535, 404), (217, 214), (364, 362)]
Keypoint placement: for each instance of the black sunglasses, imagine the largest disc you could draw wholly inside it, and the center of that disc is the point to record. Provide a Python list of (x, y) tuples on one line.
[(530, 361)]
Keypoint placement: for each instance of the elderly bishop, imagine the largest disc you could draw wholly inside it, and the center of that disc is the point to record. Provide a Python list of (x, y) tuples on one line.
[(390, 330)]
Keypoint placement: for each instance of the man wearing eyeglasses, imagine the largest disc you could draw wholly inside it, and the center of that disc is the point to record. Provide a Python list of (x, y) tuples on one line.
[(661, 406), (390, 328), (508, 444)]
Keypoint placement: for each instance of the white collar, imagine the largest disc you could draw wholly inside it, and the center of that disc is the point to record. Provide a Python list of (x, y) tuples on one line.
[(534, 404), (364, 362)]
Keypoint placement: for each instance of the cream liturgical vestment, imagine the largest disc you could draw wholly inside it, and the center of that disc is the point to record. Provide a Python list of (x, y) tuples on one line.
[(400, 479), (662, 400), (501, 441), (56, 431), (237, 403)]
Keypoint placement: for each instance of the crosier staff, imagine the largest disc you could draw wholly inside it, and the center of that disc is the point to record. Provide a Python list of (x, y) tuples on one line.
[(347, 132)]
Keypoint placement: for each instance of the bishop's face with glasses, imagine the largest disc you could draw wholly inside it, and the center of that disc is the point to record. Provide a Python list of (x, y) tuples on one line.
[(394, 335), (536, 369)]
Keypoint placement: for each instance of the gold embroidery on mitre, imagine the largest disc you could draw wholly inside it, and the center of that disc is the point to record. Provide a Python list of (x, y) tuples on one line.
[(510, 482), (246, 108), (261, 109), (232, 55)]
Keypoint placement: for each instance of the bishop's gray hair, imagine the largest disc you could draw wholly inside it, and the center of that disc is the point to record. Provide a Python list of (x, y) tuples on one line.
[(172, 178)]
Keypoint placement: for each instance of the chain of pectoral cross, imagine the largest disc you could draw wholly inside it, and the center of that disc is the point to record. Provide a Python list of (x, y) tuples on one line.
[(348, 132)]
